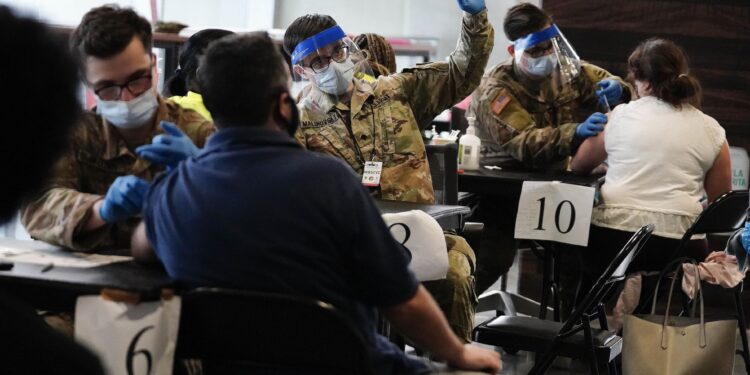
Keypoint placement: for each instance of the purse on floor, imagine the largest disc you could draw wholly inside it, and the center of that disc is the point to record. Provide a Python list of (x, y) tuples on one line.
[(670, 345)]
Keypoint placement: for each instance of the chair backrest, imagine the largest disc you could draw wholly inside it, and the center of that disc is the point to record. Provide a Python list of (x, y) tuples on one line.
[(443, 160), (725, 214), (614, 272), (269, 331)]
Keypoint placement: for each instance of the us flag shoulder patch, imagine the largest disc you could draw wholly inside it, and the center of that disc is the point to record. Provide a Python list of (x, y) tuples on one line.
[(500, 102)]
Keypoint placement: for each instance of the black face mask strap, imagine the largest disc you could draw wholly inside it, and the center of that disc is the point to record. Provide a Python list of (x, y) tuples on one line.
[(293, 125)]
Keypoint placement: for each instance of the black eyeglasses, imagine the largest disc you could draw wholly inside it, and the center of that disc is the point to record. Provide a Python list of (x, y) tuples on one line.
[(539, 50), (339, 55), (136, 86)]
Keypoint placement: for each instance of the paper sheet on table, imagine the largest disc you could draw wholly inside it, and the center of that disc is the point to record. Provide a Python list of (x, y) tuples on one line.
[(38, 252)]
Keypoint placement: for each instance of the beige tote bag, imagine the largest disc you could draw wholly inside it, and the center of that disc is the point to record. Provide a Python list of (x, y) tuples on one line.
[(671, 345)]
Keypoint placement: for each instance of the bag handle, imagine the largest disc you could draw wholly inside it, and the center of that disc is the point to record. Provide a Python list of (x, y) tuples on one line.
[(674, 263), (702, 338)]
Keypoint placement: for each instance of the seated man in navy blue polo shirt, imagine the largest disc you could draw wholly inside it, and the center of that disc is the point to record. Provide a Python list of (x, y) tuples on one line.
[(255, 211)]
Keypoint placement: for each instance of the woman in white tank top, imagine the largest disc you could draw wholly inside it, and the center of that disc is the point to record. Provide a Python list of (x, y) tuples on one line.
[(664, 156)]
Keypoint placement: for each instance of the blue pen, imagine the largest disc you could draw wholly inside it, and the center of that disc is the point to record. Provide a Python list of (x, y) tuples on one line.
[(47, 267)]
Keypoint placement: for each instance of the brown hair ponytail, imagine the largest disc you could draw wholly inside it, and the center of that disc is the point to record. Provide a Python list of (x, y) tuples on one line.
[(664, 65)]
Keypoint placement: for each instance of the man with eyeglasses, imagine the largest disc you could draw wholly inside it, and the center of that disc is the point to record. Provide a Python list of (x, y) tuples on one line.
[(95, 196), (374, 124), (533, 111)]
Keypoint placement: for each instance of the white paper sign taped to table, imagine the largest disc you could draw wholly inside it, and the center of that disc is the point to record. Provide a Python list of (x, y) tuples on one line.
[(424, 240), (129, 339), (554, 211)]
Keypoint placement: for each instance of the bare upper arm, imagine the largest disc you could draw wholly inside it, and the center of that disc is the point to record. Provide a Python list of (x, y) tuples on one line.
[(140, 247), (590, 155), (719, 178)]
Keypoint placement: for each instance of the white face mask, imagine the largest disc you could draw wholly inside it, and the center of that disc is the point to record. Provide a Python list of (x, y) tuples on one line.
[(131, 114), (336, 78), (539, 67)]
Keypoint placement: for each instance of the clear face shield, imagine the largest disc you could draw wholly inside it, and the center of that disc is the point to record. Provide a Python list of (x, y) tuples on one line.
[(332, 63), (547, 53)]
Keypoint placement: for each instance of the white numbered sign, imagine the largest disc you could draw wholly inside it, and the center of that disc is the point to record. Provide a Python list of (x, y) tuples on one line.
[(554, 211), (129, 339)]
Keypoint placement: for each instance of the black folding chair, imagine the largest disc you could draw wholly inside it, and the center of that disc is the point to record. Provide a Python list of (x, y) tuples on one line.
[(234, 331), (574, 338), (726, 214)]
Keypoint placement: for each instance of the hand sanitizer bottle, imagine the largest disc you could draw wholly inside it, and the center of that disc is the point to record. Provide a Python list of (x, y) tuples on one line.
[(468, 148)]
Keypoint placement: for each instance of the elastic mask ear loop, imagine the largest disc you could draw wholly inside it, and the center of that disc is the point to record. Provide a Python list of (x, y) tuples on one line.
[(290, 125)]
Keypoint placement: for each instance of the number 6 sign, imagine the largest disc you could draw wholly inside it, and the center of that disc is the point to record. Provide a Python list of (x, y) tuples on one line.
[(554, 211)]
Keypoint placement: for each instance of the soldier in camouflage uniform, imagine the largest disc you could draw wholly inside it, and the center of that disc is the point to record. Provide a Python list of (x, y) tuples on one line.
[(102, 146), (369, 120), (533, 122), (532, 119)]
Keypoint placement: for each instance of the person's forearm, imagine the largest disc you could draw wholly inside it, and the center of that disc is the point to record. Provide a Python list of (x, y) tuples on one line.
[(420, 320), (542, 146), (470, 57), (94, 220), (58, 216)]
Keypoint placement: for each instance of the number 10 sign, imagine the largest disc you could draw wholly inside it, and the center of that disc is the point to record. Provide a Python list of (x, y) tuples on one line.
[(554, 211)]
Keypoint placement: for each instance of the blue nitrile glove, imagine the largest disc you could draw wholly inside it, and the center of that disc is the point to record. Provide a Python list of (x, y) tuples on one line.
[(170, 148), (471, 6), (611, 89), (746, 237), (592, 126), (124, 199)]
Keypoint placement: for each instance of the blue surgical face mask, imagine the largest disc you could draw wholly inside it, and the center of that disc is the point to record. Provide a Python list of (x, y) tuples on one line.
[(131, 114), (336, 78), (540, 66)]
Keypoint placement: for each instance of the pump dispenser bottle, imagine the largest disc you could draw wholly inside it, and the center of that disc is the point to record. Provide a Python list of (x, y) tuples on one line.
[(468, 147)]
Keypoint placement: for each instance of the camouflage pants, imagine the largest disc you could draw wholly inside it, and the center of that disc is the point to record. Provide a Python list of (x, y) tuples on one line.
[(456, 294)]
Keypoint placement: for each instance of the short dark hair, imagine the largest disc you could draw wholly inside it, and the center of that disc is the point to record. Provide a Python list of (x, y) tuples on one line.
[(305, 27), (33, 138), (241, 77), (524, 19), (182, 81), (664, 65), (105, 31)]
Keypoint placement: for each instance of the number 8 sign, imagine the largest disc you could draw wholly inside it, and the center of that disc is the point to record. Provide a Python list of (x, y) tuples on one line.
[(554, 211)]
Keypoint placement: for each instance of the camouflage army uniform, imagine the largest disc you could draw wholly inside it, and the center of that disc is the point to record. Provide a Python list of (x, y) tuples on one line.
[(535, 122), (96, 156), (380, 123)]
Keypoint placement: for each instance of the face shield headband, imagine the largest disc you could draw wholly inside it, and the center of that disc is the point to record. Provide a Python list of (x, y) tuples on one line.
[(533, 39), (564, 61), (315, 42)]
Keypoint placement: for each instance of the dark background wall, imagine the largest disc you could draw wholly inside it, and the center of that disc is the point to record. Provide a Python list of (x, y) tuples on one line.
[(715, 34)]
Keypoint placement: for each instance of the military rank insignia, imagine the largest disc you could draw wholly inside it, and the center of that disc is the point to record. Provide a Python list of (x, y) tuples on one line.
[(500, 102)]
